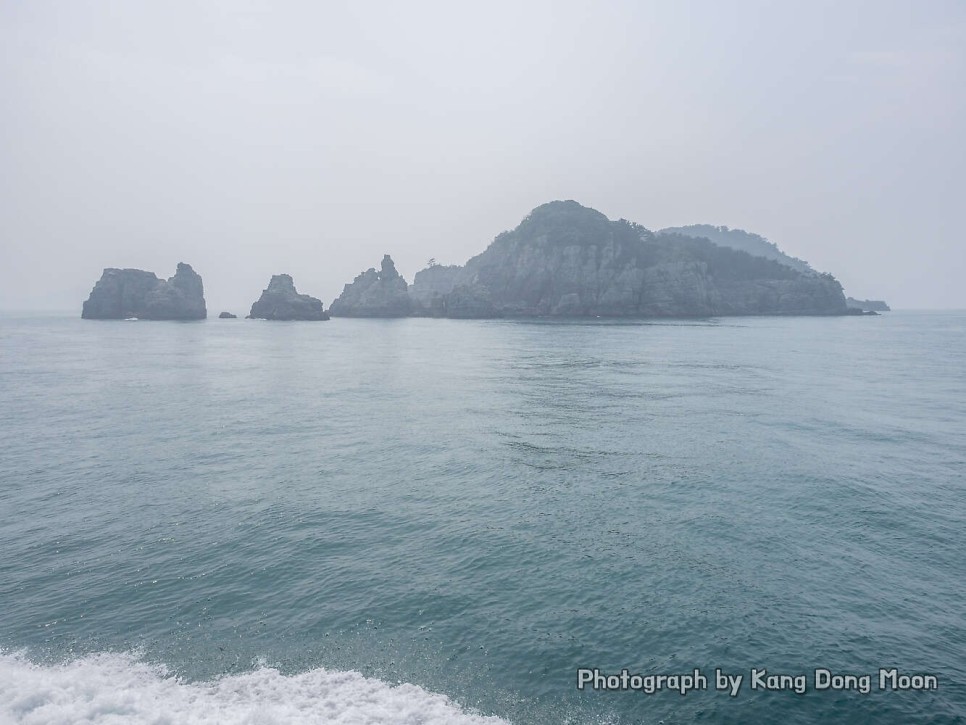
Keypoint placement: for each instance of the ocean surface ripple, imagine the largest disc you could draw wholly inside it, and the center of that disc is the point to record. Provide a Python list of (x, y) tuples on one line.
[(428, 521)]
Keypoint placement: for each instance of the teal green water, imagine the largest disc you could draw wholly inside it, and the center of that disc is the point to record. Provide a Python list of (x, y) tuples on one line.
[(480, 508)]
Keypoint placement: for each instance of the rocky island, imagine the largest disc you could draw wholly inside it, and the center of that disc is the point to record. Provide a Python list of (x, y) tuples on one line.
[(133, 293), (566, 260), (281, 301), (562, 260), (374, 294)]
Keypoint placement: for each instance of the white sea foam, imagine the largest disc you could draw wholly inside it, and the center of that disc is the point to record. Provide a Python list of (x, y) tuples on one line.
[(110, 689)]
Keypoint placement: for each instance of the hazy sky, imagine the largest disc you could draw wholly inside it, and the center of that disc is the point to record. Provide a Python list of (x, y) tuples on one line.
[(251, 138)]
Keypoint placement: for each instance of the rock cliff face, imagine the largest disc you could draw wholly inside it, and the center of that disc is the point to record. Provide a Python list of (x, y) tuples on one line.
[(124, 293), (281, 301), (441, 291), (570, 261), (374, 294), (434, 282)]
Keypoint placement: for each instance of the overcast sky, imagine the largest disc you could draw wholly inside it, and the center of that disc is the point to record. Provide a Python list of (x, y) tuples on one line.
[(251, 138)]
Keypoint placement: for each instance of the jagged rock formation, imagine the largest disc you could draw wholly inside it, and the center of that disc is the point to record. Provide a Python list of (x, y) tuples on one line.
[(227, 316), (281, 301), (374, 294), (567, 260), (124, 293), (867, 305), (741, 240)]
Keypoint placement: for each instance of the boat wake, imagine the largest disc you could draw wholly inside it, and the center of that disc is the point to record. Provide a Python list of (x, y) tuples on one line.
[(111, 688)]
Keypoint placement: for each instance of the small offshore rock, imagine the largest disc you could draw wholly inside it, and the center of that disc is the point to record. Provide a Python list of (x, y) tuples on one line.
[(281, 301)]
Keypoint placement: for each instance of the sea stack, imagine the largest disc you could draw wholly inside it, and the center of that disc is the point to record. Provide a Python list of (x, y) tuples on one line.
[(125, 293), (281, 301), (374, 294)]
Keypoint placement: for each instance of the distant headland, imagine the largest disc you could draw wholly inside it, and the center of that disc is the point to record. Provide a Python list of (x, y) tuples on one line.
[(562, 260), (867, 305)]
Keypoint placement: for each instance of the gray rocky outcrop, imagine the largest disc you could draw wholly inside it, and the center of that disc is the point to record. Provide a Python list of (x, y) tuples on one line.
[(462, 301), (133, 293), (433, 282), (281, 301), (382, 293), (227, 316)]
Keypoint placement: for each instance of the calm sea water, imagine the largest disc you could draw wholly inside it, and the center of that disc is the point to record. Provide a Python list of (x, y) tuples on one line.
[(240, 521)]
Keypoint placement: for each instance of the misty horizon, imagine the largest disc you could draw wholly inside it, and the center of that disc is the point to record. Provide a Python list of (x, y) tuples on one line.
[(251, 140)]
